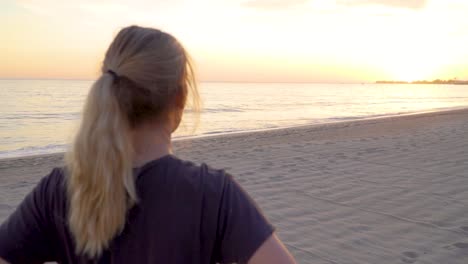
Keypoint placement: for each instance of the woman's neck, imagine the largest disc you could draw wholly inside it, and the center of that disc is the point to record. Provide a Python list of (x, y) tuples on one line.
[(151, 142)]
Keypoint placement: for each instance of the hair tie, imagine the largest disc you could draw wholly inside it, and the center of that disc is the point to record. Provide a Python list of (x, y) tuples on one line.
[(114, 75)]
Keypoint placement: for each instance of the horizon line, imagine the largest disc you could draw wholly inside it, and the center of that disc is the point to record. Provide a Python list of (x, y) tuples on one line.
[(201, 81)]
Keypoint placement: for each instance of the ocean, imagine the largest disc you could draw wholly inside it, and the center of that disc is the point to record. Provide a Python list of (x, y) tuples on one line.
[(40, 116)]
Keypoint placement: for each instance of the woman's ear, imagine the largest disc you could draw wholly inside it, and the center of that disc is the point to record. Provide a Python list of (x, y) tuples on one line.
[(180, 99), (179, 105), (176, 118)]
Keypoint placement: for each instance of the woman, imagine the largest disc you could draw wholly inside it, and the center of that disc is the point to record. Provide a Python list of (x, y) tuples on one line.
[(123, 197)]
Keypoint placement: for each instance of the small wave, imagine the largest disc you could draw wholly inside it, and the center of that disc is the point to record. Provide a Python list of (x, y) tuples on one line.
[(221, 131), (214, 110), (364, 116), (60, 116), (33, 150), (221, 110)]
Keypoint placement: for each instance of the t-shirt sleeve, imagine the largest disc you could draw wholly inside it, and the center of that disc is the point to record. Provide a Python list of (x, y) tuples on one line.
[(25, 237), (242, 227)]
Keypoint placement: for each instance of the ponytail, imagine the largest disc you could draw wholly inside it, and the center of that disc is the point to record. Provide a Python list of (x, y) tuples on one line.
[(100, 181), (145, 71)]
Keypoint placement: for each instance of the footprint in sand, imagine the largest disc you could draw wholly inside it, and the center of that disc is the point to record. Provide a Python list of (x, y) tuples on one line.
[(461, 245), (340, 155), (409, 257), (4, 210), (361, 228), (371, 150), (276, 178), (299, 159), (464, 228)]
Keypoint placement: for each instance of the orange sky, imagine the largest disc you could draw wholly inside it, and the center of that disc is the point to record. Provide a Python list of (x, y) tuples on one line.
[(253, 40)]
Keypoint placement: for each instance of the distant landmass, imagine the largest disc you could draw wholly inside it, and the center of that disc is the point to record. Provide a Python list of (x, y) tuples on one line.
[(438, 81)]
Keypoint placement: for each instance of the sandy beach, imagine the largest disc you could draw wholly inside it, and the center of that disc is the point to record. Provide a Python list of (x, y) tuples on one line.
[(388, 190)]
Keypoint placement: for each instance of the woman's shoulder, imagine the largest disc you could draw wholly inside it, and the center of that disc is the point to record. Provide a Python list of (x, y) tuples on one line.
[(186, 174), (201, 172), (55, 179), (53, 186)]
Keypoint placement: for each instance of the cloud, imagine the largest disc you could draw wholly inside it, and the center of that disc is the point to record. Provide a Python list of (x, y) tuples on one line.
[(102, 13), (410, 4), (273, 4)]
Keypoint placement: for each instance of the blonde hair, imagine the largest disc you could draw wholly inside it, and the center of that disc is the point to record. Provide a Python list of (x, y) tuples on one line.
[(143, 73)]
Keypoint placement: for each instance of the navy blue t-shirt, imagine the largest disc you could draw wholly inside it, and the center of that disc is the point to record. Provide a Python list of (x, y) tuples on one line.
[(186, 214)]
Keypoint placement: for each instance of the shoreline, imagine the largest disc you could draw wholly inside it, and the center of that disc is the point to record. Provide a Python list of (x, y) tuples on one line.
[(227, 134)]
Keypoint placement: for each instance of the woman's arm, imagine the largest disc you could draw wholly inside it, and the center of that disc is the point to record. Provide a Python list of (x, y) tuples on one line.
[(272, 251), (27, 235), (244, 234)]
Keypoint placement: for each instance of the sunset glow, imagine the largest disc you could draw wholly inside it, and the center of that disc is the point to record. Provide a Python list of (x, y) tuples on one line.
[(253, 40)]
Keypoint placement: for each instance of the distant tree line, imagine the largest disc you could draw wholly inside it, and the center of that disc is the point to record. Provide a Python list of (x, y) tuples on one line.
[(437, 81)]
